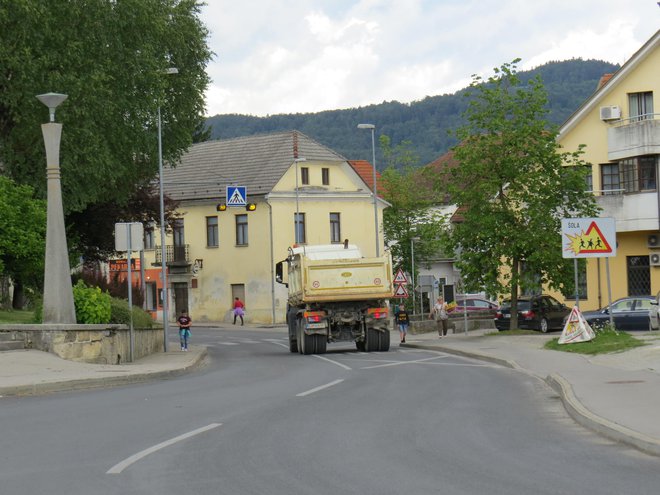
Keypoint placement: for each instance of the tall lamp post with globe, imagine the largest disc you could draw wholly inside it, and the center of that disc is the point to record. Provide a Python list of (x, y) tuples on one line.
[(58, 304)]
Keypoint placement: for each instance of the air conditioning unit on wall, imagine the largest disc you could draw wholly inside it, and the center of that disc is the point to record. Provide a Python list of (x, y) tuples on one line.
[(653, 241), (654, 259), (610, 113)]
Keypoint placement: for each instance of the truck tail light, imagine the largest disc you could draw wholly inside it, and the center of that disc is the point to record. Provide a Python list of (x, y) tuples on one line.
[(314, 316), (378, 313)]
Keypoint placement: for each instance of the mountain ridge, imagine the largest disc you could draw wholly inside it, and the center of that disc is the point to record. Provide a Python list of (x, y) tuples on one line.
[(425, 123)]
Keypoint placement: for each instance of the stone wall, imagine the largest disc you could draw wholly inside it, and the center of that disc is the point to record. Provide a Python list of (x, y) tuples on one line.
[(456, 325), (101, 344)]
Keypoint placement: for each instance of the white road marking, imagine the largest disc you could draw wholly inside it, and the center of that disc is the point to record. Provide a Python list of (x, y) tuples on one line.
[(118, 468), (322, 387), (228, 343), (332, 361), (397, 363)]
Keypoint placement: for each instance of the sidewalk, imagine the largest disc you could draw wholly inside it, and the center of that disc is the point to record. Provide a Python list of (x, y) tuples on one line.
[(616, 395), (30, 372)]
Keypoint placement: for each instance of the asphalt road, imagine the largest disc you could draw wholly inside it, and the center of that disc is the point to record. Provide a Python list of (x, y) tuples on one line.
[(259, 420)]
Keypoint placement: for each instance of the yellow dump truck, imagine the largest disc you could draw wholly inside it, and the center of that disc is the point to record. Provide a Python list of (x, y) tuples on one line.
[(335, 294)]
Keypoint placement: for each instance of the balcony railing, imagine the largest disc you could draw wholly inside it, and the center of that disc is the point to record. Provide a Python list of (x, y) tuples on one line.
[(634, 137), (174, 254)]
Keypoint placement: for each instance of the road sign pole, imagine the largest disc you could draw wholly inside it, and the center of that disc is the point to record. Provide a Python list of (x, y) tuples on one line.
[(609, 290), (577, 293)]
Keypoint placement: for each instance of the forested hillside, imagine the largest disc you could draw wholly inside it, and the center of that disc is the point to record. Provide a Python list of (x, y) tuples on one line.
[(426, 123)]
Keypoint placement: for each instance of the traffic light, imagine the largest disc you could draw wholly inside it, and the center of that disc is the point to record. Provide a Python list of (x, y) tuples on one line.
[(250, 207)]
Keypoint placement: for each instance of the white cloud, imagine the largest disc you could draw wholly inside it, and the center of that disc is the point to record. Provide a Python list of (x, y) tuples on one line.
[(313, 55)]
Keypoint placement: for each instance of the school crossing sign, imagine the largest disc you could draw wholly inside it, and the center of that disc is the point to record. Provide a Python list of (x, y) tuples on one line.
[(588, 237)]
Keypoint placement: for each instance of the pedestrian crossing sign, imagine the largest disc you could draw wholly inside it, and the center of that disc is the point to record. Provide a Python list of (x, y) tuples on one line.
[(236, 196)]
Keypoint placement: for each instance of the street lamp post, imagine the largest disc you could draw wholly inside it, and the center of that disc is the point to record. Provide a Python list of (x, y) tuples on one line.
[(58, 306), (163, 250), (412, 275), (375, 195), (296, 222)]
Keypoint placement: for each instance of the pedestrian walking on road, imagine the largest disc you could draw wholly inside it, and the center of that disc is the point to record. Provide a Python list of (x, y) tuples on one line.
[(403, 320), (239, 309), (185, 322), (440, 313)]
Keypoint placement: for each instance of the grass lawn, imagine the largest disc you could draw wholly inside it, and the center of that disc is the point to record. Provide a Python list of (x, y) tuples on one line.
[(606, 341), (505, 333), (16, 316)]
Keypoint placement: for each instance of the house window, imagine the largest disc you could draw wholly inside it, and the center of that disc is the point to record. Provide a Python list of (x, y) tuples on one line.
[(638, 174), (212, 232), (325, 176), (609, 178), (639, 275), (299, 227), (335, 228), (304, 175), (149, 239), (589, 178), (241, 230), (640, 106), (179, 240)]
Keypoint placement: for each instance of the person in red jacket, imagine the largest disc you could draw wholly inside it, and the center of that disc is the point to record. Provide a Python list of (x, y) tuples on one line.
[(239, 309)]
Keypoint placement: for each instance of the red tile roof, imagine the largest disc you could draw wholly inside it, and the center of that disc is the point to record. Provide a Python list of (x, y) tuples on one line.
[(366, 172)]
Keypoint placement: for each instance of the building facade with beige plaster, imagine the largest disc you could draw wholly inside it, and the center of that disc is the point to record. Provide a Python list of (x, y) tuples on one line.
[(216, 253)]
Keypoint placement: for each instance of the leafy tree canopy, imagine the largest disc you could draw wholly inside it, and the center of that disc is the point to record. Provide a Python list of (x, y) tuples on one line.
[(22, 233), (411, 216), (110, 58), (514, 184)]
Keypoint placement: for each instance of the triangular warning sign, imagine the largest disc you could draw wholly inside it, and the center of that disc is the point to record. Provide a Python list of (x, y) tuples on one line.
[(400, 291), (590, 242), (576, 329), (400, 277)]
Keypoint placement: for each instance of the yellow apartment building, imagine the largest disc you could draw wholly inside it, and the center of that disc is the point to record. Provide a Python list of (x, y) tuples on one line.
[(620, 126), (218, 250)]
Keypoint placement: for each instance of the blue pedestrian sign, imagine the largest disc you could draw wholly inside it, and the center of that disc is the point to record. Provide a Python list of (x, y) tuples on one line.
[(236, 196)]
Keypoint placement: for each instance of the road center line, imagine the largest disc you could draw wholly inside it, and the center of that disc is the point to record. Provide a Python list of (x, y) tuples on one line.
[(118, 468), (311, 391), (332, 361)]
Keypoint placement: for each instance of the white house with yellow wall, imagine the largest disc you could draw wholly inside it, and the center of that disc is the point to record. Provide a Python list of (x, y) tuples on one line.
[(620, 126), (217, 252)]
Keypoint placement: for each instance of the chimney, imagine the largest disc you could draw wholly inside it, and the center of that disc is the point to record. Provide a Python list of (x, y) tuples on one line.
[(603, 80), (295, 144)]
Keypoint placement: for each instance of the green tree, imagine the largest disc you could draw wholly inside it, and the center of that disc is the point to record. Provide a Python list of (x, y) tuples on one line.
[(22, 237), (515, 185), (411, 214), (110, 58)]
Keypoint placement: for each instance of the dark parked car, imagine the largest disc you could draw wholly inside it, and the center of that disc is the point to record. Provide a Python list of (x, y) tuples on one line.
[(538, 312), (475, 305), (628, 313)]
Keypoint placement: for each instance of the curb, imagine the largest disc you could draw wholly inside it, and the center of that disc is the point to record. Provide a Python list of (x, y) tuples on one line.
[(586, 418), (101, 382)]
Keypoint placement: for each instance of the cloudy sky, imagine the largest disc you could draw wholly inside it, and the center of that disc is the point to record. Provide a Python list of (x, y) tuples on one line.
[(290, 56)]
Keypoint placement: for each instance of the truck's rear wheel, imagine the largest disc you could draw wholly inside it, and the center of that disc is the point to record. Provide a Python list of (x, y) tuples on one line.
[(306, 343), (320, 344), (293, 345), (384, 341), (372, 343)]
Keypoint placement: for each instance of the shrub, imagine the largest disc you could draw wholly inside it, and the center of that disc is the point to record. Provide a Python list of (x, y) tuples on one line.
[(92, 304), (120, 314)]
